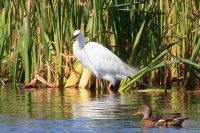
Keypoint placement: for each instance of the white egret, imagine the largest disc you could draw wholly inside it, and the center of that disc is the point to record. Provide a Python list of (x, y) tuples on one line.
[(99, 60)]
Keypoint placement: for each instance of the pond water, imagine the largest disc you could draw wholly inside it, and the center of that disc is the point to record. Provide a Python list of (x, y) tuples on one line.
[(80, 110)]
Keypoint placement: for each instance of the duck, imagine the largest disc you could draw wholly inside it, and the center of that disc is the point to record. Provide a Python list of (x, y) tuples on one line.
[(163, 120)]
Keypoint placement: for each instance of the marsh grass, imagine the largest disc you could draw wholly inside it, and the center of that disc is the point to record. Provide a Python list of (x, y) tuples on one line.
[(146, 34)]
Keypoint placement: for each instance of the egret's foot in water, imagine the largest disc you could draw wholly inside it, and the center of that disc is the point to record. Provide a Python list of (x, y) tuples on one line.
[(113, 88)]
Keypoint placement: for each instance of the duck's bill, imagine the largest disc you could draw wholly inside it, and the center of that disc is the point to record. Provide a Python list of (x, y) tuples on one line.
[(137, 113)]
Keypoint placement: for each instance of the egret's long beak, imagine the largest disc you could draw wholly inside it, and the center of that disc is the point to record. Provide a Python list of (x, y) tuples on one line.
[(137, 113), (73, 37)]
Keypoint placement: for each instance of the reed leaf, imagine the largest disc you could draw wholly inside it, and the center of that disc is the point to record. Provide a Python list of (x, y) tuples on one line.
[(74, 77)]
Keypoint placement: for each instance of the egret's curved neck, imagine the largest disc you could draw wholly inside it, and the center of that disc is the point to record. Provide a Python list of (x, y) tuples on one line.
[(81, 41)]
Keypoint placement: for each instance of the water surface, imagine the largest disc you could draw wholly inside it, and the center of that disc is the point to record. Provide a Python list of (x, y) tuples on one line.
[(80, 110)]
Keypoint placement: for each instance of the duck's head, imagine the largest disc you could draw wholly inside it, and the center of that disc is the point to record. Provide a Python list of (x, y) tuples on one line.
[(76, 35), (144, 110)]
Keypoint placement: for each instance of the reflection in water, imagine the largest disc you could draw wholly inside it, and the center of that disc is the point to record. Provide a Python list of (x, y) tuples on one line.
[(75, 108)]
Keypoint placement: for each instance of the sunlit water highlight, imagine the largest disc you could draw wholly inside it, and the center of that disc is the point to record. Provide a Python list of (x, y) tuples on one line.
[(79, 110)]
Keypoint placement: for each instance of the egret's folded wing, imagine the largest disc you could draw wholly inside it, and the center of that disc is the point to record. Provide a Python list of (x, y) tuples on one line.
[(104, 61)]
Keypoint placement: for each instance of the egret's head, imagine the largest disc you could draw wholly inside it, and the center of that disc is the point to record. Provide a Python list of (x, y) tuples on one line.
[(76, 35)]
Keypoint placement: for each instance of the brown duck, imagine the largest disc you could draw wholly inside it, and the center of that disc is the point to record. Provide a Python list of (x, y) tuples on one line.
[(165, 120)]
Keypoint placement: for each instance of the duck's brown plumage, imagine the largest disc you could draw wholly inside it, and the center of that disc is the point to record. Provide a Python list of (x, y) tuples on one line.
[(164, 120)]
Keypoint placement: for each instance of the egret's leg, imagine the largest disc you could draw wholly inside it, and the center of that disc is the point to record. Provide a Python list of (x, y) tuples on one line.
[(113, 88), (109, 89)]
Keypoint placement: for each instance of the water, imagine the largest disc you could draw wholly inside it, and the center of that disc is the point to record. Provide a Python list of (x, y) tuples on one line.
[(79, 110)]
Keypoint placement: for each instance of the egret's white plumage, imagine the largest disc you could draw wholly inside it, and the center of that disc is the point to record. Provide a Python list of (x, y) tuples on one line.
[(99, 60)]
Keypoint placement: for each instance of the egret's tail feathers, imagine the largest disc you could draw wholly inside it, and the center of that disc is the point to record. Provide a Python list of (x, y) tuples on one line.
[(131, 71)]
